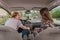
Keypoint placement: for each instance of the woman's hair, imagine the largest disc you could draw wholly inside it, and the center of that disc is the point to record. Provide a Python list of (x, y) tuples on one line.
[(43, 9), (47, 15), (14, 14)]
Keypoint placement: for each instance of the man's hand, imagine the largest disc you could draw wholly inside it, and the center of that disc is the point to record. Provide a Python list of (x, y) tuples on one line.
[(28, 27)]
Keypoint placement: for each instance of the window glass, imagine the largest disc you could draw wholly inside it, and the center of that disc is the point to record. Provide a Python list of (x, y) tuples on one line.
[(34, 14), (55, 12), (3, 15)]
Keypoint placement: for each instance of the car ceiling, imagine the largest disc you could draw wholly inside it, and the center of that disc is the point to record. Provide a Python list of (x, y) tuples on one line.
[(28, 4)]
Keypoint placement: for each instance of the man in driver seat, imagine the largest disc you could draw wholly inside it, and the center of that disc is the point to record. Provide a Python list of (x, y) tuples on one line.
[(15, 23)]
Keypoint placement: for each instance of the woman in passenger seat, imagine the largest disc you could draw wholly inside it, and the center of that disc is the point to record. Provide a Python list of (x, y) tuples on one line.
[(46, 18), (15, 23)]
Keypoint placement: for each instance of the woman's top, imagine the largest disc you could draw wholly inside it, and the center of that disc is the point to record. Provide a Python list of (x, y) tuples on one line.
[(46, 21), (46, 24)]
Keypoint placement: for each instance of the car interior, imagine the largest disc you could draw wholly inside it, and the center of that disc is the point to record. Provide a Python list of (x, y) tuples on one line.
[(29, 11)]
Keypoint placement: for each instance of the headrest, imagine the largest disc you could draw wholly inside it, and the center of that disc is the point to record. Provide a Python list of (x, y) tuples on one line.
[(7, 33), (49, 34)]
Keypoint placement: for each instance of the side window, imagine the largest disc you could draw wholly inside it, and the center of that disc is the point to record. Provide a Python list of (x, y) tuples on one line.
[(3, 15), (56, 14)]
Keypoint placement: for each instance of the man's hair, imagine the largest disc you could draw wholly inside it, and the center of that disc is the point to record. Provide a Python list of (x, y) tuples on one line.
[(14, 14)]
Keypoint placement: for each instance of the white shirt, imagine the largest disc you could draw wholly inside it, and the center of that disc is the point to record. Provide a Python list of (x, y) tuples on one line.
[(13, 23)]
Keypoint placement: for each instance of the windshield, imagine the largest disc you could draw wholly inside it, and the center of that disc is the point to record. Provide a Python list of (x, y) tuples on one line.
[(34, 14)]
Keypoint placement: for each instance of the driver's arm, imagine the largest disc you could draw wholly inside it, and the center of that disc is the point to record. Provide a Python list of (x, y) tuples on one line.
[(21, 25)]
